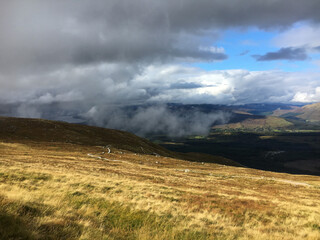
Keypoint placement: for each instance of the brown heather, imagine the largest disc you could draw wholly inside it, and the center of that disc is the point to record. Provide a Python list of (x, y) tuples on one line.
[(54, 190)]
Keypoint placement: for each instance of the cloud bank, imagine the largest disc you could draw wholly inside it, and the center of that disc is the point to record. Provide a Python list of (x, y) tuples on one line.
[(156, 120), (42, 35), (64, 59)]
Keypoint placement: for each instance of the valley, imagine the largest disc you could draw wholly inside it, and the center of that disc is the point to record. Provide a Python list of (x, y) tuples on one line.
[(263, 137), (266, 151)]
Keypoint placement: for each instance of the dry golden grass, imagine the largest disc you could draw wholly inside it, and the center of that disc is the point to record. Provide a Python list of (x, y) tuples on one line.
[(57, 191)]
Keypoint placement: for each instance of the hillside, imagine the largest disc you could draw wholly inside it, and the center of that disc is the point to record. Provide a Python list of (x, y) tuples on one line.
[(266, 118), (64, 185), (261, 123), (309, 112), (40, 130)]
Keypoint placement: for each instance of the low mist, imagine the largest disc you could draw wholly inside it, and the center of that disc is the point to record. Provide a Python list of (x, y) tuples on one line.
[(142, 120), (157, 120)]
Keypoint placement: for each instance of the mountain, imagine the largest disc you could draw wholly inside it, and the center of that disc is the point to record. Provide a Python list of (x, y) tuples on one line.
[(310, 113), (68, 181), (257, 123), (260, 117)]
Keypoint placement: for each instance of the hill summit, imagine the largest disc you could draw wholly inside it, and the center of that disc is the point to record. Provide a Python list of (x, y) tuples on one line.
[(40, 130), (28, 130)]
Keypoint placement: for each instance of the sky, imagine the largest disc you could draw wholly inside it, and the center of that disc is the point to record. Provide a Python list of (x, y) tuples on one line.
[(91, 58)]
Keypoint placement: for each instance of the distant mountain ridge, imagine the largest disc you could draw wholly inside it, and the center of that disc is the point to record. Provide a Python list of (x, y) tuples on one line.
[(309, 112), (268, 122), (269, 118)]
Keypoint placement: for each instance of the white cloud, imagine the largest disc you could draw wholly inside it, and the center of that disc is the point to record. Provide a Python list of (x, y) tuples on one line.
[(76, 58), (114, 84), (311, 96), (316, 62), (224, 87), (212, 49), (100, 94), (299, 36)]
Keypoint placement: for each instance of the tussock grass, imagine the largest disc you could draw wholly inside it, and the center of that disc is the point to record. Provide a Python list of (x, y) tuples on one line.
[(57, 191)]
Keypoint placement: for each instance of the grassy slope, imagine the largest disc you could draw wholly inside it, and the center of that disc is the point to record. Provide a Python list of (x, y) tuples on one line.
[(55, 190), (39, 130), (309, 112), (262, 123)]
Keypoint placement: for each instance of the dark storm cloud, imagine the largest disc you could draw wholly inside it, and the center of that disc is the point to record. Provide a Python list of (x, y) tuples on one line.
[(63, 58), (39, 35), (185, 85), (45, 35), (289, 53)]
